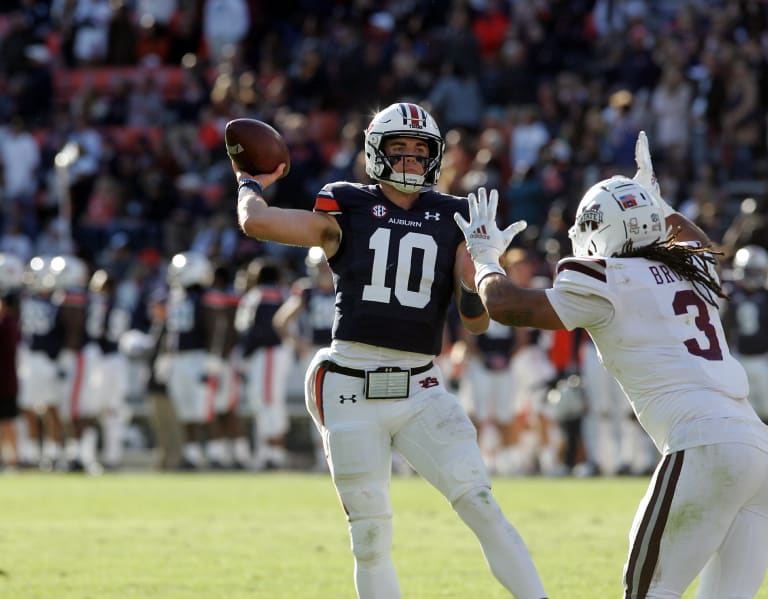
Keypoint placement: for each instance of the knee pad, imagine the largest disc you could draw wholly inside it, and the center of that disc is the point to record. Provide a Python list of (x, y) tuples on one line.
[(371, 539), (478, 506)]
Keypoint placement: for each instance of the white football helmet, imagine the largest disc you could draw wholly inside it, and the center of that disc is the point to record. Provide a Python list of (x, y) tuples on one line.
[(612, 213), (189, 268), (69, 272), (11, 272), (750, 267), (403, 120)]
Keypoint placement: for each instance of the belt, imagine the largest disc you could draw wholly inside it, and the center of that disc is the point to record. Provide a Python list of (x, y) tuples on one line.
[(333, 367)]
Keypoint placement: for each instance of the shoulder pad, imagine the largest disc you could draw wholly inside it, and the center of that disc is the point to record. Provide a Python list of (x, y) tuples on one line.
[(590, 267)]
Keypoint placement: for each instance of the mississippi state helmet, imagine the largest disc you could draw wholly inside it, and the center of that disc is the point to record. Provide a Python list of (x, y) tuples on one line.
[(403, 120), (69, 272), (11, 272), (612, 213), (188, 269), (750, 267)]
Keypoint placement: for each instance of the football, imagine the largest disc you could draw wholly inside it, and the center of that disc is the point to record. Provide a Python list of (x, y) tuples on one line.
[(256, 147)]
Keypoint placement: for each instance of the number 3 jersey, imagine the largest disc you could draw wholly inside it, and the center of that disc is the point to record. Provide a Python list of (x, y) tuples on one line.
[(663, 343), (394, 268)]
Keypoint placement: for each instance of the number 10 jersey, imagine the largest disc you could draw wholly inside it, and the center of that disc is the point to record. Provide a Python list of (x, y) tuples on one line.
[(394, 269)]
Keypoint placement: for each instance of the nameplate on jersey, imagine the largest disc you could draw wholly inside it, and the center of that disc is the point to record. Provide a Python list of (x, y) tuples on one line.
[(387, 383)]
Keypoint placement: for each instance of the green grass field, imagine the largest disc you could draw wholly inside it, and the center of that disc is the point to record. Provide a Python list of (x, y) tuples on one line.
[(284, 536)]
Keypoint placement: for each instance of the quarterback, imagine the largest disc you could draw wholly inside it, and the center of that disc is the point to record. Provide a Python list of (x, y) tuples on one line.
[(648, 297), (397, 259)]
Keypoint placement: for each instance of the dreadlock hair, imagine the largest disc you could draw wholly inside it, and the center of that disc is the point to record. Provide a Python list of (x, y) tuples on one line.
[(689, 262)]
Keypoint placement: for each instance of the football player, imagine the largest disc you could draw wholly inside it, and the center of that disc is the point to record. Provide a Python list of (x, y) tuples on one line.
[(266, 361), (746, 321), (643, 283), (39, 397), (186, 343), (107, 321), (11, 280), (305, 321), (77, 362), (397, 260)]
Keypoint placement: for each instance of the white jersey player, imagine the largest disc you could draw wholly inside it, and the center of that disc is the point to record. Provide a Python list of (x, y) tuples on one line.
[(649, 302)]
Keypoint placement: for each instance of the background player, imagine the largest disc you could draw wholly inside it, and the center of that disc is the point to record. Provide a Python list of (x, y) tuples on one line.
[(397, 260), (305, 321), (265, 361), (649, 301), (746, 319)]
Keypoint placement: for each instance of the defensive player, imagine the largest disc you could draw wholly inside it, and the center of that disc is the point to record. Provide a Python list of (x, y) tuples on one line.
[(397, 259), (649, 301)]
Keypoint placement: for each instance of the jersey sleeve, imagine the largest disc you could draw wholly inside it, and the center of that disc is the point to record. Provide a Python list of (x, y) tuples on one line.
[(580, 294), (326, 201)]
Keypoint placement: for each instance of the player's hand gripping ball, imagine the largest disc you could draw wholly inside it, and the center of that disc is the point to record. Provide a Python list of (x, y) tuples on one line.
[(256, 147)]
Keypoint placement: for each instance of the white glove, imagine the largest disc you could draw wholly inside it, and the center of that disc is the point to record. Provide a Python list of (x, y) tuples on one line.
[(645, 175), (485, 241)]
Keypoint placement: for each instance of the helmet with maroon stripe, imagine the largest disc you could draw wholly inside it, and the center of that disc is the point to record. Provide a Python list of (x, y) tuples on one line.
[(614, 215), (403, 120)]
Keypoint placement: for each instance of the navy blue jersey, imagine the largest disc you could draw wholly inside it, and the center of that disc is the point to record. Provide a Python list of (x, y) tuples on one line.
[(106, 322), (747, 321), (253, 319), (40, 326), (185, 324), (320, 308), (394, 268), (221, 306)]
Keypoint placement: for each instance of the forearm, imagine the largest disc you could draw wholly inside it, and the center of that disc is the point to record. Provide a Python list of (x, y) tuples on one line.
[(517, 306)]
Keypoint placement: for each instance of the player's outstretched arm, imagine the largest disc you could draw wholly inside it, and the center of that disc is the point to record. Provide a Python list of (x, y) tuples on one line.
[(685, 229), (288, 226), (505, 302)]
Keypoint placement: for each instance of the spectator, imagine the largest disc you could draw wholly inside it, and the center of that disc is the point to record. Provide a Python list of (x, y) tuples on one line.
[(225, 25)]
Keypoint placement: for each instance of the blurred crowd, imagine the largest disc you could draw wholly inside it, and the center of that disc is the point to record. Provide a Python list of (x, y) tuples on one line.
[(112, 115)]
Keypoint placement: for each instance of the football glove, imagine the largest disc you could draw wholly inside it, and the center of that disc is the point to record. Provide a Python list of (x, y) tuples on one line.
[(645, 175), (485, 241)]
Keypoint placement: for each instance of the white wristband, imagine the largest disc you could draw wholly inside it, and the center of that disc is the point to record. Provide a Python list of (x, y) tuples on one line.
[(483, 270)]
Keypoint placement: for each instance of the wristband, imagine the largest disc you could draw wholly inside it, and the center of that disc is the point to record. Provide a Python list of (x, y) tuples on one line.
[(470, 304), (483, 270), (251, 184)]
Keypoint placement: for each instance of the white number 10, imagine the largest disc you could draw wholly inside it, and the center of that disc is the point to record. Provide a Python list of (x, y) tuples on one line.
[(378, 292)]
